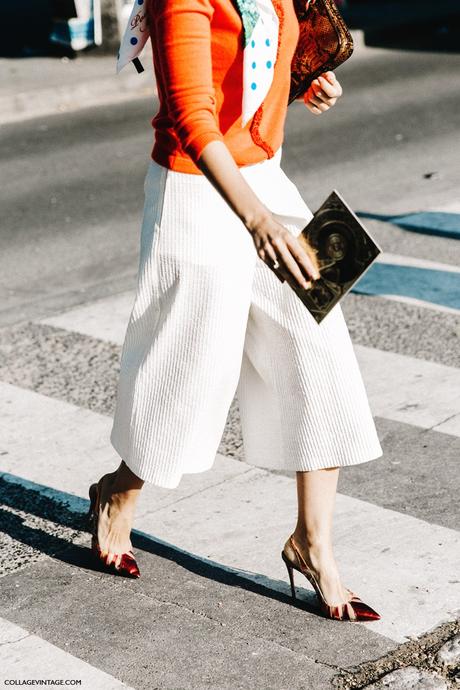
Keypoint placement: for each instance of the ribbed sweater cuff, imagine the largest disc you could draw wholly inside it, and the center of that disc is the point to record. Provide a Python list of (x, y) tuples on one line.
[(195, 147)]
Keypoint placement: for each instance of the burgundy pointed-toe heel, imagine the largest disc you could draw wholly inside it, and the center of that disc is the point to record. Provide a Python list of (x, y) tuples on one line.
[(128, 566), (352, 610)]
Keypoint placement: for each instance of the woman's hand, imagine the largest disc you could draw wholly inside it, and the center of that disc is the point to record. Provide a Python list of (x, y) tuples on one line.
[(322, 93), (284, 254)]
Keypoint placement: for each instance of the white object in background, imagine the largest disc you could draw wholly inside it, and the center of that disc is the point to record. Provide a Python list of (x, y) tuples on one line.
[(81, 31), (97, 19)]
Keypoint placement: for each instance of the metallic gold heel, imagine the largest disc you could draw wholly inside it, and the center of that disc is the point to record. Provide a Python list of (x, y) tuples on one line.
[(290, 569)]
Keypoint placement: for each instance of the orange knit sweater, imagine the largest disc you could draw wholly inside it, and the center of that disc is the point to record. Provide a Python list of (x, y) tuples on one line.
[(197, 50)]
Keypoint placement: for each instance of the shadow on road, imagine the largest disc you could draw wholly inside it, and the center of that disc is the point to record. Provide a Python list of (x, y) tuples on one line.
[(69, 511)]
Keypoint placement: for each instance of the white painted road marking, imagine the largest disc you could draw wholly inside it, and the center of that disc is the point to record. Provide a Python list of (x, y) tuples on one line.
[(24, 657), (400, 260), (410, 390), (400, 388)]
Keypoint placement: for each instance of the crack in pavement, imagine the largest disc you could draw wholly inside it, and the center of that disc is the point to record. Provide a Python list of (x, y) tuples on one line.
[(451, 416), (232, 629), (2, 644), (419, 652), (193, 494)]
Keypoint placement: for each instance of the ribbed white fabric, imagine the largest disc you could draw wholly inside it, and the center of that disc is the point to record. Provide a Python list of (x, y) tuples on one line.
[(209, 320)]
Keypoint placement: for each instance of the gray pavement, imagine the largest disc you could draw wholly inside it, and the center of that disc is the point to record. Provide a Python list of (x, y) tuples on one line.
[(50, 85), (212, 608)]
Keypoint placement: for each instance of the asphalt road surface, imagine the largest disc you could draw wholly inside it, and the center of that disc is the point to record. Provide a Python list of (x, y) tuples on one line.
[(71, 185)]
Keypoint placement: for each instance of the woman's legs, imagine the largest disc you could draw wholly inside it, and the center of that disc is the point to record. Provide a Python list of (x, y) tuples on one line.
[(316, 491), (120, 491)]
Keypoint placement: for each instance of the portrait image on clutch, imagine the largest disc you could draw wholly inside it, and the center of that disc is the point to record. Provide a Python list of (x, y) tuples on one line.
[(344, 251)]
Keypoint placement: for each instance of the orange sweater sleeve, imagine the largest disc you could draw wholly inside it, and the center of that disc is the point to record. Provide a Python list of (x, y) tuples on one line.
[(182, 30)]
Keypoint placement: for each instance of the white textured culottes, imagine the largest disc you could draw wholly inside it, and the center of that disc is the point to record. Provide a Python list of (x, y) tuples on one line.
[(211, 320)]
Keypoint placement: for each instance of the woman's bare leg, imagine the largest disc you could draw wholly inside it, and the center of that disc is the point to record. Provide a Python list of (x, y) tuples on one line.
[(316, 491), (119, 493)]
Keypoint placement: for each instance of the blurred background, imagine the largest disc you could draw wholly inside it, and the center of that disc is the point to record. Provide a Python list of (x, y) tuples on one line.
[(43, 27)]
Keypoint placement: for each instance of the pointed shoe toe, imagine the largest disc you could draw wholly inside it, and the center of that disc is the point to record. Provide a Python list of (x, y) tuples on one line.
[(127, 568), (354, 609), (363, 611), (128, 565)]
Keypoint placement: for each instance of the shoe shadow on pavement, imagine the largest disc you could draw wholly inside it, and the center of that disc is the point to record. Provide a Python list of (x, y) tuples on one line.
[(54, 523)]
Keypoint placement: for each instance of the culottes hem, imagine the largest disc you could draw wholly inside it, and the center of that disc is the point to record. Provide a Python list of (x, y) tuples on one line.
[(210, 320), (146, 471)]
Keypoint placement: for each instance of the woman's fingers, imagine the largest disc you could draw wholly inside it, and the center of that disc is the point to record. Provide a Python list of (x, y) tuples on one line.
[(305, 256), (278, 274), (289, 257), (332, 90), (268, 256), (295, 263), (267, 252), (321, 97), (322, 93), (288, 264), (322, 105), (313, 109)]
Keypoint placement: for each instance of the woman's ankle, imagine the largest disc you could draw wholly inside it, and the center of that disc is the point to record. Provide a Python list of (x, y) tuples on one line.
[(122, 481), (117, 493), (316, 543)]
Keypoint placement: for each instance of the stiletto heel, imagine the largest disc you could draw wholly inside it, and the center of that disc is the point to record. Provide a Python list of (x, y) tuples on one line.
[(92, 507), (353, 610), (290, 569), (128, 566)]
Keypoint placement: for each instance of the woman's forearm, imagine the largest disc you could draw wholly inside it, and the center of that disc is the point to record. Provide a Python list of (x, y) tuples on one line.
[(219, 166), (275, 245)]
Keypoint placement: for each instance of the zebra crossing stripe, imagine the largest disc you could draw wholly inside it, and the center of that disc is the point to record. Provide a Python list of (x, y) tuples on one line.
[(105, 318), (420, 282), (401, 260), (24, 657), (425, 284), (410, 390), (425, 395)]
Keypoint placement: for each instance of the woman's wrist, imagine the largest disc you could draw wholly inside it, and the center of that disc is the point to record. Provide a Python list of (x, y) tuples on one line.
[(217, 163), (253, 218)]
